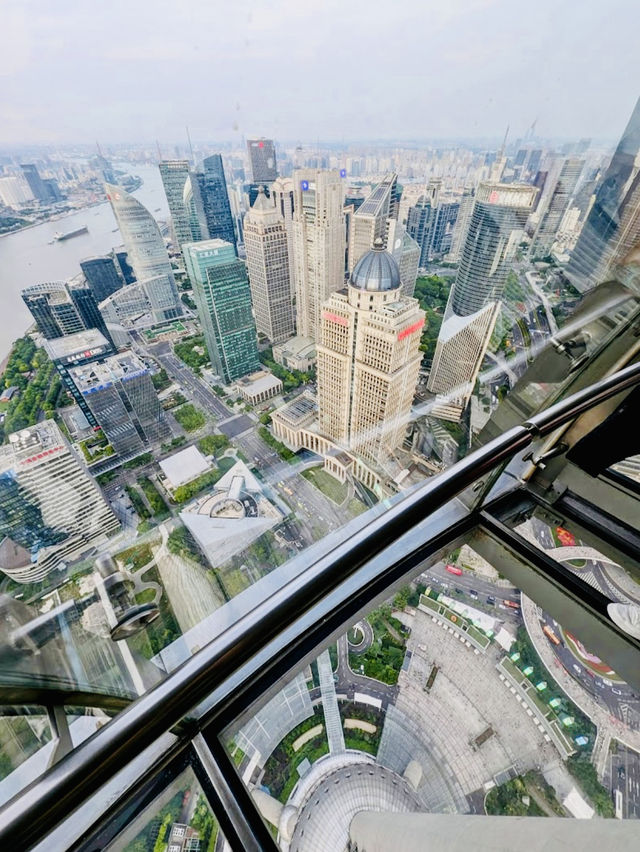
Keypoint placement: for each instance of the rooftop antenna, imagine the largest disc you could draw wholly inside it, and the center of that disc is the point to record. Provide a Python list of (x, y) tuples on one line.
[(159, 151), (193, 162)]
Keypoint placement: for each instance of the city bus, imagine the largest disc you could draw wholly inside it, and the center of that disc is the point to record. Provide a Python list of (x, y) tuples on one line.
[(512, 604), (551, 636), (453, 569)]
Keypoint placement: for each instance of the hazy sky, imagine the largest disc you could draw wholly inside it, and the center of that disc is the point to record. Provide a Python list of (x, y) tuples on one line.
[(139, 70)]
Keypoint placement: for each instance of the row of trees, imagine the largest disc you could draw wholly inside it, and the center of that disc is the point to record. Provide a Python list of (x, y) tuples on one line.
[(290, 378)]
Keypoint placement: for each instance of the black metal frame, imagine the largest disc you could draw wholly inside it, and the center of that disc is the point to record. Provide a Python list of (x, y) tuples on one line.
[(252, 657)]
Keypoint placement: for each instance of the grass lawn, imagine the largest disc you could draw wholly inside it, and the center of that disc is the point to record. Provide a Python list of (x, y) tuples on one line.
[(356, 507), (189, 417), (330, 487), (135, 557)]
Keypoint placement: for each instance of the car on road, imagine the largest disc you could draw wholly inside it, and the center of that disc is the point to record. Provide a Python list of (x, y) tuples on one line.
[(491, 600), (616, 691), (577, 669), (458, 591), (473, 594), (621, 773)]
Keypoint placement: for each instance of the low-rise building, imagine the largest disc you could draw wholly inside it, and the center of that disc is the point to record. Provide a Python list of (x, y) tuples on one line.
[(298, 353), (259, 387), (184, 466)]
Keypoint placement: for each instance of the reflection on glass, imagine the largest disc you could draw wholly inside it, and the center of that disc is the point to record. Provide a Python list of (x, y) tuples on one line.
[(455, 696), (179, 820)]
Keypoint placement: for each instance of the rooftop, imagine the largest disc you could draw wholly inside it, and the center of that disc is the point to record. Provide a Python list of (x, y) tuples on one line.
[(72, 344), (89, 377), (376, 271), (184, 466)]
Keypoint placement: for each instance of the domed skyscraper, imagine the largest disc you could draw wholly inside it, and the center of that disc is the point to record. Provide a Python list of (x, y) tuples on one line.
[(368, 359)]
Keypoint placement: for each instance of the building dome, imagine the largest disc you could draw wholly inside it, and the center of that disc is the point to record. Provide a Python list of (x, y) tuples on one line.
[(376, 270)]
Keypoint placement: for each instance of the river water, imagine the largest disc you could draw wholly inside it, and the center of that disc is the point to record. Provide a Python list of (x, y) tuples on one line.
[(27, 257)]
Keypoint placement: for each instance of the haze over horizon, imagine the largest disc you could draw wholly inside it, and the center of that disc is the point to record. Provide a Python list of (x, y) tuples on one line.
[(139, 72)]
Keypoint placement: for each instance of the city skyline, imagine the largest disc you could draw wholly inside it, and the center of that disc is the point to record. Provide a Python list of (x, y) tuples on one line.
[(472, 45)]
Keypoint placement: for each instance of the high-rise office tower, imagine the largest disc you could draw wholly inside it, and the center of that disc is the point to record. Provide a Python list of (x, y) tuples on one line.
[(61, 308), (51, 509), (560, 197), (145, 247), (174, 174), (499, 215), (406, 253), (421, 220), (37, 186), (369, 222), (215, 198), (206, 201), (222, 295), (103, 276), (612, 227), (262, 157), (282, 194), (459, 232), (265, 241), (121, 396), (369, 359), (74, 350), (318, 243), (14, 191)]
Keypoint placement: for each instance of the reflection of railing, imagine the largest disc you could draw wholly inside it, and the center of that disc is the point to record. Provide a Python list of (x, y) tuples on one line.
[(246, 661)]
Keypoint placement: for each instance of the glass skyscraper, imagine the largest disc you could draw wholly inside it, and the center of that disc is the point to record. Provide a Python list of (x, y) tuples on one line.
[(103, 276), (174, 174), (222, 295), (612, 227), (60, 308), (262, 156), (145, 247)]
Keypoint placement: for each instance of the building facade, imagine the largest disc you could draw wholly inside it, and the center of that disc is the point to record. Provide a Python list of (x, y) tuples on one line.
[(262, 159), (60, 308), (612, 227), (174, 174), (74, 350), (38, 187), (369, 222), (319, 243), (146, 250), (266, 246), (223, 298), (102, 275), (120, 394), (561, 196), (51, 509), (495, 229), (369, 359)]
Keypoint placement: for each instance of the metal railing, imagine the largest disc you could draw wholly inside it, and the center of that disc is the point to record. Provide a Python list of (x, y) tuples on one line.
[(317, 594)]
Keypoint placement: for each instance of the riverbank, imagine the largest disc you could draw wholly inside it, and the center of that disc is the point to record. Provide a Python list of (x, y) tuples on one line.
[(57, 217)]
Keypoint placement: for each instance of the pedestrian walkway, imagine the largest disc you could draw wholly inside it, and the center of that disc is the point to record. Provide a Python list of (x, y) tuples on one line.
[(333, 722)]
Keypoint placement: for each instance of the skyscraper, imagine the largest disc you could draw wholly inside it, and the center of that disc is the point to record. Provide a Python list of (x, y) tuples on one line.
[(561, 195), (282, 194), (37, 186), (103, 276), (174, 174), (499, 215), (51, 510), (61, 308), (459, 232), (319, 243), (121, 396), (206, 202), (222, 295), (262, 157), (370, 219), (369, 359), (215, 200), (145, 248), (73, 350), (265, 240), (612, 227), (421, 220)]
